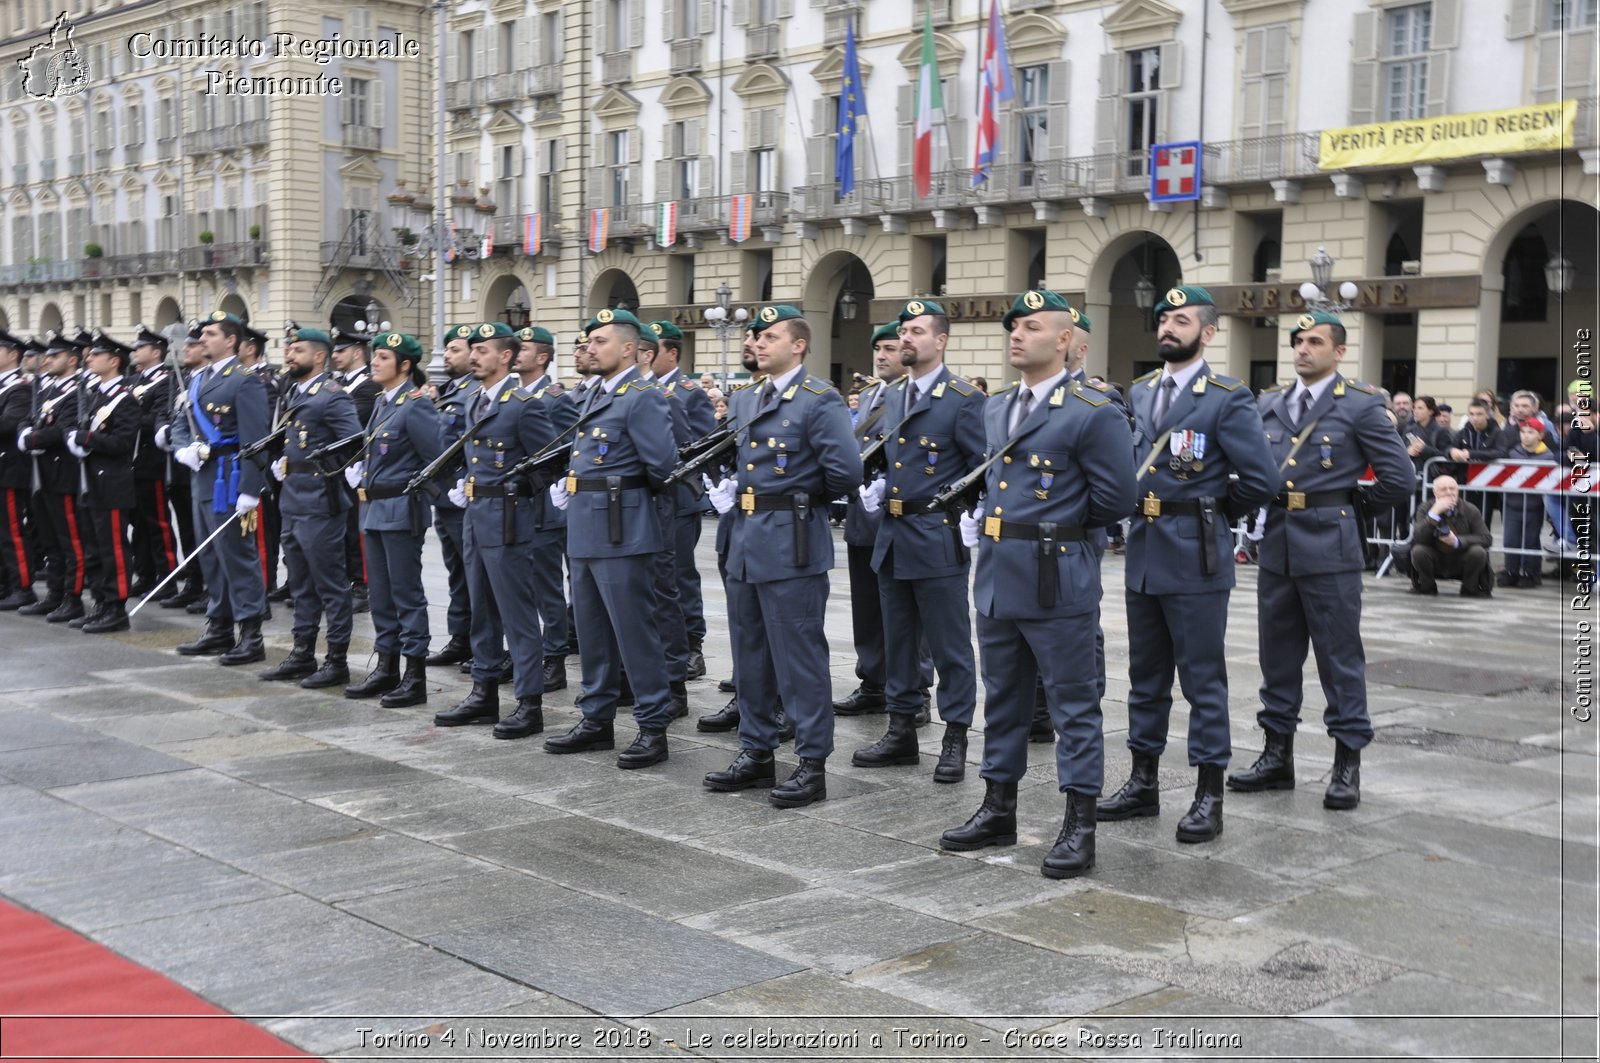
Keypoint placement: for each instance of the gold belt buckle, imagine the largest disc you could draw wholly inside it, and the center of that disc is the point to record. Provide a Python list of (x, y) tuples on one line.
[(991, 528), (572, 485), (469, 490), (896, 507), (1150, 506), (361, 493), (1297, 500), (747, 503)]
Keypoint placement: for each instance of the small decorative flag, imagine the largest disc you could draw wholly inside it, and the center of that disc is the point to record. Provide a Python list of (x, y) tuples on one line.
[(599, 229), (666, 224), (739, 217), (533, 234)]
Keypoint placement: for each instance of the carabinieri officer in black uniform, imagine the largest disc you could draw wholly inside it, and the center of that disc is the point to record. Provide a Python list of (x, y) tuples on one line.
[(1195, 428), (105, 443), (1060, 465), (1324, 432), (402, 438)]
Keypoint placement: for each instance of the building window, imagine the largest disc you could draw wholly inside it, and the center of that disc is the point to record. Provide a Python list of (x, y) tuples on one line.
[(764, 162), (549, 176), (1407, 38), (618, 161), (1033, 118), (1141, 99), (688, 13), (550, 38), (617, 16), (358, 102), (682, 153), (1563, 15)]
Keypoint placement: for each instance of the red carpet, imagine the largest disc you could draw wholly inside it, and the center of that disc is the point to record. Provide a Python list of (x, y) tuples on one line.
[(63, 997)]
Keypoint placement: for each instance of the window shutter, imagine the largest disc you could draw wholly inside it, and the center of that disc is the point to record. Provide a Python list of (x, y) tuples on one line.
[(1251, 106), (1171, 60), (347, 109), (664, 189), (771, 130), (1254, 50), (1446, 24), (738, 173), (1105, 108), (1275, 108), (528, 42), (708, 175), (708, 16), (602, 41), (636, 23), (375, 103), (1580, 69), (1364, 37), (452, 63), (693, 136), (741, 12), (1060, 77), (1523, 20), (817, 161), (669, 19), (1275, 54), (786, 8), (484, 60), (1364, 68), (1438, 94), (906, 128), (598, 180), (636, 157)]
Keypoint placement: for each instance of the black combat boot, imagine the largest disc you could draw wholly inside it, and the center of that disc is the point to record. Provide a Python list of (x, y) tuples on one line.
[(1273, 769), (249, 648), (71, 608), (751, 768), (952, 766), (1139, 796), (482, 706), (17, 599), (413, 688), (697, 661), (527, 720), (114, 617), (83, 618), (808, 785), (218, 638), (649, 748), (47, 605), (995, 822), (301, 662), (585, 735), (725, 719), (555, 674), (335, 670), (897, 746), (384, 677), (455, 651), (860, 701), (1203, 822), (1344, 789), (1073, 853)]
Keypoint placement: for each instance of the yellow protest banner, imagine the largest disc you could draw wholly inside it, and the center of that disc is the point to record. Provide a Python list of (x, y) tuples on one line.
[(1542, 127)]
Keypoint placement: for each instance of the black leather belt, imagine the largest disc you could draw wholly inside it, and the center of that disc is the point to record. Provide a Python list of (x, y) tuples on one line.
[(475, 491), (1047, 535), (760, 503), (370, 494), (1311, 499), (1152, 507), (801, 505), (294, 468), (906, 507), (604, 483)]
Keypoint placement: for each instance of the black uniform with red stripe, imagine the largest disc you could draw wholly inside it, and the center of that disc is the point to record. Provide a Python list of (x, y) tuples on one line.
[(60, 479), (271, 527), (16, 481), (155, 546), (111, 437)]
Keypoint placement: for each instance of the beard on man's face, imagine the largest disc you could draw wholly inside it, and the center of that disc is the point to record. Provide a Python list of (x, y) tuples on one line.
[(1174, 351)]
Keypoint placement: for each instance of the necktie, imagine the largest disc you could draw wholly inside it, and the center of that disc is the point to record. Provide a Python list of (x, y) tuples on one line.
[(480, 408), (1169, 387), (769, 395), (1305, 407), (911, 399), (377, 410), (1021, 408)]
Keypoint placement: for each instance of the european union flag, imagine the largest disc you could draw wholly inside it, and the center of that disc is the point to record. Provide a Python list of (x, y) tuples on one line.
[(852, 109)]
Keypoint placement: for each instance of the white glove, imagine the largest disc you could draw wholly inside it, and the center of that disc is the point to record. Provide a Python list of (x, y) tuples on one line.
[(559, 494), (458, 494), (872, 495), (164, 437), (352, 473), (190, 456), (723, 494), (246, 504), (280, 469), (971, 523), (22, 435), (78, 451)]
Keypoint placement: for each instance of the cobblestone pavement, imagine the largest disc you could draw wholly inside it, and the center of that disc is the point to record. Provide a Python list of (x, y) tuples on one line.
[(364, 884)]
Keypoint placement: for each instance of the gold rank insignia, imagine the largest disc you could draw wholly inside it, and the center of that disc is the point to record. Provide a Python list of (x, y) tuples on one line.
[(915, 308), (605, 317), (1177, 297), (769, 314), (1306, 321), (1033, 300), (1076, 317)]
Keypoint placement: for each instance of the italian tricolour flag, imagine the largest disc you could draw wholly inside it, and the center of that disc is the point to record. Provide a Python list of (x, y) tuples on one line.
[(930, 111)]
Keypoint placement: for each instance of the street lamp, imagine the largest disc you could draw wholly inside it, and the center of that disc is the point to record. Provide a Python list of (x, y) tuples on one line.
[(725, 320), (847, 305), (1315, 290), (1144, 297), (1558, 274)]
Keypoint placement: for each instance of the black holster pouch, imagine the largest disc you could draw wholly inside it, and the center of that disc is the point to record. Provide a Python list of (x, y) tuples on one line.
[(1208, 537), (614, 508), (802, 530), (1049, 568)]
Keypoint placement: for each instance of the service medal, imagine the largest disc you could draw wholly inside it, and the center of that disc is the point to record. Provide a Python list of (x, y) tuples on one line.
[(499, 459), (783, 460), (304, 436), (1327, 455), (601, 456), (383, 448)]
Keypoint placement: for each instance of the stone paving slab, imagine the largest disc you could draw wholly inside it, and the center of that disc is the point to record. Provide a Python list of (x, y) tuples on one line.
[(48, 767)]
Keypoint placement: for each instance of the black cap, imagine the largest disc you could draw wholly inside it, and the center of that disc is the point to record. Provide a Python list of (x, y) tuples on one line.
[(256, 335), (343, 338), (57, 343), (195, 325), (101, 342), (8, 340), (146, 337)]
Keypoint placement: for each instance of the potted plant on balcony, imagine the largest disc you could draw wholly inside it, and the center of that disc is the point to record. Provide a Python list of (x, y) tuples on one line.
[(92, 252), (207, 238), (407, 240)]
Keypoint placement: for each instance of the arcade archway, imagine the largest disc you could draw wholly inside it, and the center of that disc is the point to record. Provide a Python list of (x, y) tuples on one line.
[(838, 303)]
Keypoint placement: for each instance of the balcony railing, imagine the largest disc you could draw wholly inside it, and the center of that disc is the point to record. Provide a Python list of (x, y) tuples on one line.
[(1261, 159), (102, 158), (166, 147), (369, 255), (545, 80), (41, 272), (511, 230), (715, 212), (132, 154), (762, 42), (223, 256), (227, 138), (19, 173), (144, 264), (47, 169), (459, 95), (836, 18), (503, 88), (616, 68), (76, 164), (362, 138), (686, 57)]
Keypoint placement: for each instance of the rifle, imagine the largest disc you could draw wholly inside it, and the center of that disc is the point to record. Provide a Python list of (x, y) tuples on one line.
[(33, 418), (424, 480), (966, 492), (555, 450), (329, 458), (83, 427), (697, 454)]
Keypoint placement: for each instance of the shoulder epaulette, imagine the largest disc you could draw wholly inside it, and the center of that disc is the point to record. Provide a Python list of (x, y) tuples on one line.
[(1361, 386), (414, 393), (1226, 383), (1273, 388), (1092, 400), (636, 385), (522, 396), (816, 387), (318, 386), (1098, 385), (960, 386), (685, 382), (1147, 376)]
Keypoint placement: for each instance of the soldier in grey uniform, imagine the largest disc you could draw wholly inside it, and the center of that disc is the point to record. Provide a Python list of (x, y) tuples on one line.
[(621, 456), (1324, 431), (505, 425), (351, 360), (796, 453), (691, 505), (1061, 464), (669, 609), (269, 530), (453, 401), (934, 437), (229, 408), (401, 439), (317, 411), (550, 530), (1194, 429)]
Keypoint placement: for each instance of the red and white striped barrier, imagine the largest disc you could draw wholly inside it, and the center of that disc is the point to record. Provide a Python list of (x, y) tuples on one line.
[(1536, 476)]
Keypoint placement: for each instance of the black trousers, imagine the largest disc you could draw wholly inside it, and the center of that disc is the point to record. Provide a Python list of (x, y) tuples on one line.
[(72, 541), (155, 539), (114, 570), (16, 538)]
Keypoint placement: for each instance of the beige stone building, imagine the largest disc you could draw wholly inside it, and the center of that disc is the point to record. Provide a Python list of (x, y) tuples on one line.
[(1470, 236)]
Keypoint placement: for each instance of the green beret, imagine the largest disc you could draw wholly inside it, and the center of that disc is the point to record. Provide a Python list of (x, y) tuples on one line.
[(223, 315), (581, 338), (1311, 319), (666, 330), (648, 340), (918, 307), (312, 335), (771, 315), (602, 318), (536, 334), (1081, 319), (492, 330), (458, 332), (891, 331), (1184, 295), (1034, 301), (407, 347)]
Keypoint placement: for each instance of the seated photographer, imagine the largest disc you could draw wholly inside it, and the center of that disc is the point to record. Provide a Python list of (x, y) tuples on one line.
[(1449, 540)]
